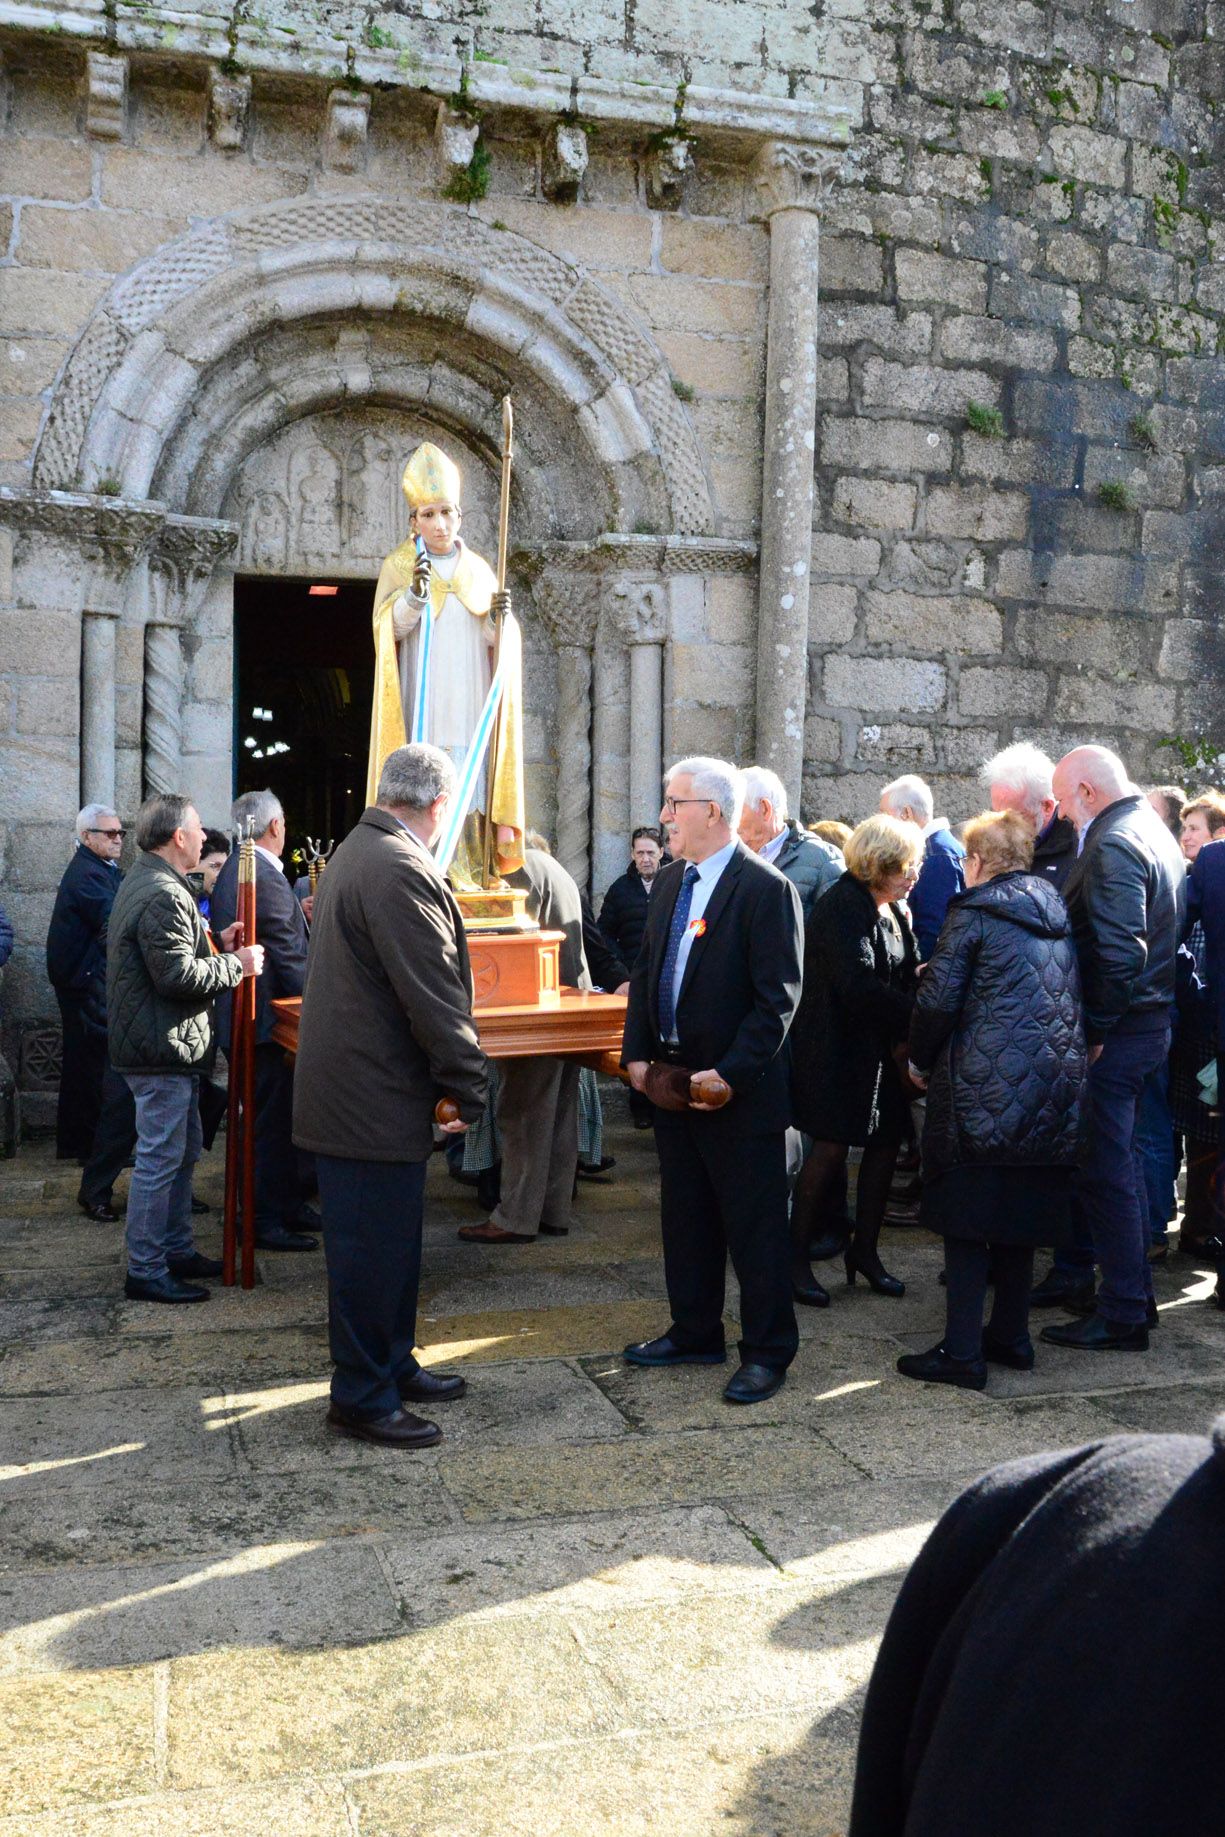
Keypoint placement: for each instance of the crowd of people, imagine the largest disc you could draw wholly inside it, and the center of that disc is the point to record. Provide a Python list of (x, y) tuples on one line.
[(1029, 1014)]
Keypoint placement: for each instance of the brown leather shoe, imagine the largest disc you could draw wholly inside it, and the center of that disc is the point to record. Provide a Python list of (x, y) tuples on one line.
[(489, 1233), (399, 1430)]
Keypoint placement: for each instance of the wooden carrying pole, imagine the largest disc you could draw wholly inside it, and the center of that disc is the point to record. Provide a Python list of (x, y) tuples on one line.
[(240, 1125), (508, 441)]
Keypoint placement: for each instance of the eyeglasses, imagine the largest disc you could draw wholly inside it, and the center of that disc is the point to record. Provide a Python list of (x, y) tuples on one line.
[(114, 835), (671, 803)]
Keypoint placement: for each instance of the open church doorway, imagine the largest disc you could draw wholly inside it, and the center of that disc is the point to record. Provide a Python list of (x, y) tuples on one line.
[(303, 683)]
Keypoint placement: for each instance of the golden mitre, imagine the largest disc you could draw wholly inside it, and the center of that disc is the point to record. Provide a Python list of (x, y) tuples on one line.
[(430, 477)]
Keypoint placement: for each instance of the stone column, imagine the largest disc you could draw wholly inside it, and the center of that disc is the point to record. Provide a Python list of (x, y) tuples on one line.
[(642, 615), (791, 181), (98, 707), (567, 604), (113, 536), (187, 551)]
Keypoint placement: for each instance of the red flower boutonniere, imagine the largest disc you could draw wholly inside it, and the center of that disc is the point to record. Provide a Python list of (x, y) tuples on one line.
[(698, 927)]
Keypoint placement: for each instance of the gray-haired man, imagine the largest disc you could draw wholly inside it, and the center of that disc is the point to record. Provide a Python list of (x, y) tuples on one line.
[(386, 1031), (76, 966), (281, 928)]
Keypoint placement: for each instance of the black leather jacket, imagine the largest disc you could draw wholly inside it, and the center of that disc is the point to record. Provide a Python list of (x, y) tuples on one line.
[(1126, 897)]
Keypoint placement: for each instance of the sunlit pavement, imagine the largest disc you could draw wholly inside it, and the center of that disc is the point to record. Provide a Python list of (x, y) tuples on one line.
[(606, 1603)]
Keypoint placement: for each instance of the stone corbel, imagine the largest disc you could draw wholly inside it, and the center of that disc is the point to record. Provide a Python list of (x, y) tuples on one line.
[(348, 123), (106, 95), (668, 163), (229, 104), (563, 161), (455, 138), (568, 604)]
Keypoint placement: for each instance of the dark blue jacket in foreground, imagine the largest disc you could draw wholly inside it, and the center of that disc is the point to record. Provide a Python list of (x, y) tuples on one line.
[(76, 937)]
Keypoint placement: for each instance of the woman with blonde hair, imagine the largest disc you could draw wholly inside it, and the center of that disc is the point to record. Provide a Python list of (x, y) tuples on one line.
[(848, 1046), (997, 1039)]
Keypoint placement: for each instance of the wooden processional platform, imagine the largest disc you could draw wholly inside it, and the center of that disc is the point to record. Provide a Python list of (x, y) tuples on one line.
[(519, 1005)]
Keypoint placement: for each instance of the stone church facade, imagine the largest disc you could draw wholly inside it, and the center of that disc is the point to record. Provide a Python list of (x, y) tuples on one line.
[(870, 404)]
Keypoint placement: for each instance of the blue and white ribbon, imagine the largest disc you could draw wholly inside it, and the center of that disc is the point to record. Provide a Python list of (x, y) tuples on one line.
[(448, 841)]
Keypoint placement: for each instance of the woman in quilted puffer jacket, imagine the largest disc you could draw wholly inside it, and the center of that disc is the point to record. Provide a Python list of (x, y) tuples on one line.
[(998, 1039)]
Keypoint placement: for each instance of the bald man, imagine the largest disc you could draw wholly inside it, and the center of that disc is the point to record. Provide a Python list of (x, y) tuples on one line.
[(1126, 898)]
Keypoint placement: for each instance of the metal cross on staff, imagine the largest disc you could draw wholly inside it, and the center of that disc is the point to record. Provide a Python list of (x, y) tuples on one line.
[(317, 857)]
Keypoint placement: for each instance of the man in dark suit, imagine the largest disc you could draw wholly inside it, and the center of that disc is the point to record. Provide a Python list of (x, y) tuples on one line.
[(76, 966), (714, 989), (386, 1031), (537, 1103), (281, 928)]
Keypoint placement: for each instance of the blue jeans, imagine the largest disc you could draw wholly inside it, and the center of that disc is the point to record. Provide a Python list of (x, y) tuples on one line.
[(1155, 1141), (168, 1144), (1110, 1179)]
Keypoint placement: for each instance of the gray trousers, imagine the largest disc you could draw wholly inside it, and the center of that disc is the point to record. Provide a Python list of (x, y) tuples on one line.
[(538, 1123), (168, 1144)]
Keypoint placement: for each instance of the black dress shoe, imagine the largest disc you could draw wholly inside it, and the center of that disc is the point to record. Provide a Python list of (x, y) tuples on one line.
[(754, 1383), (199, 1207), (554, 1230), (280, 1237), (665, 1351), (201, 1267), (162, 1288), (431, 1387), (306, 1218), (939, 1367), (1016, 1358), (1218, 1293), (1057, 1290), (869, 1266), (102, 1214), (809, 1293), (1097, 1334), (597, 1170), (399, 1430)]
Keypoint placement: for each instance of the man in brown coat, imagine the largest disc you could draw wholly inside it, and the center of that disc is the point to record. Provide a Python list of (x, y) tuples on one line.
[(386, 1031)]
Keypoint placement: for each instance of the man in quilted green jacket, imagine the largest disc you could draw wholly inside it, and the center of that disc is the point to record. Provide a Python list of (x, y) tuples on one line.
[(162, 977)]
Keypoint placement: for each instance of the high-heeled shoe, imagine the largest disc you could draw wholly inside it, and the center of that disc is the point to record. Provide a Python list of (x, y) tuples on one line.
[(809, 1292), (878, 1279)]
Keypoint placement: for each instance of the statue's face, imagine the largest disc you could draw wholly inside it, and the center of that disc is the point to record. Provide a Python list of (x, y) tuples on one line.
[(438, 526)]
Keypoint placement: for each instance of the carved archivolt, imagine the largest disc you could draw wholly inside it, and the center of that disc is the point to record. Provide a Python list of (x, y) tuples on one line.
[(205, 301)]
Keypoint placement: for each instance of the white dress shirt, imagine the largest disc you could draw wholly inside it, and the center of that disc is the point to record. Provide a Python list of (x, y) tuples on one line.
[(774, 847), (705, 884), (268, 855)]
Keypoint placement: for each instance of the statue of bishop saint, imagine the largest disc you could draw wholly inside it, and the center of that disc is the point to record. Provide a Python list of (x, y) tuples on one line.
[(439, 624)]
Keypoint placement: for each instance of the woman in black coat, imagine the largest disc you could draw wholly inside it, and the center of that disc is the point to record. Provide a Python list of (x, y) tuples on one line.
[(846, 1041), (997, 1037)]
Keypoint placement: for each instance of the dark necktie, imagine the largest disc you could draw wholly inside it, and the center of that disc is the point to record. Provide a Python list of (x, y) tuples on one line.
[(676, 931)]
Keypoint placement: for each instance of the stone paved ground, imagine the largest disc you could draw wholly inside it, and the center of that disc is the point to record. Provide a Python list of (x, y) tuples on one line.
[(607, 1603)]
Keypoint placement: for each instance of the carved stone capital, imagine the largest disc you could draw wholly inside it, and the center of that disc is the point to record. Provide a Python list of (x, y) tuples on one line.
[(88, 544), (563, 161), (106, 95), (182, 563), (229, 103), (668, 164), (791, 176), (569, 606), (639, 609), (348, 121)]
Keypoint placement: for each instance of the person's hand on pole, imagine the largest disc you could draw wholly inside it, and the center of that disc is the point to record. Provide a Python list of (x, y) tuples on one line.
[(251, 956)]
